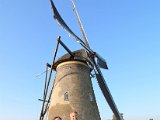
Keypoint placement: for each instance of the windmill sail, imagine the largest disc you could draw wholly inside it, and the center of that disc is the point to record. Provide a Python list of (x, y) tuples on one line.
[(57, 16), (106, 92), (108, 95), (63, 24), (80, 24)]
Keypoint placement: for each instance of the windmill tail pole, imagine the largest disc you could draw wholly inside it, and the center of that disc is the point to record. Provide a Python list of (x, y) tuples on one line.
[(80, 24)]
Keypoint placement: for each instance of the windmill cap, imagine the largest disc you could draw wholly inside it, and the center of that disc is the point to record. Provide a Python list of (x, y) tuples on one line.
[(79, 55)]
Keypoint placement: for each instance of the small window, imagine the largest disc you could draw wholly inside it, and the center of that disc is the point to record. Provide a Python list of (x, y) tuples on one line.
[(66, 96)]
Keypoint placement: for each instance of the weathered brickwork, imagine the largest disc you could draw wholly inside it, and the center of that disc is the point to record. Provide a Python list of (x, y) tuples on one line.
[(73, 92)]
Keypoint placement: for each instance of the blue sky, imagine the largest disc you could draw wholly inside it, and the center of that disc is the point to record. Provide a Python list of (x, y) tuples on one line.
[(126, 33)]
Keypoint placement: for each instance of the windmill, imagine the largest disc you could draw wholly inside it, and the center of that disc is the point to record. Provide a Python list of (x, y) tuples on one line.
[(72, 92)]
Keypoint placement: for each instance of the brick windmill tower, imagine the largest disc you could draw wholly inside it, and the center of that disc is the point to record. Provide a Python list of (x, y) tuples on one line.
[(72, 96)]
